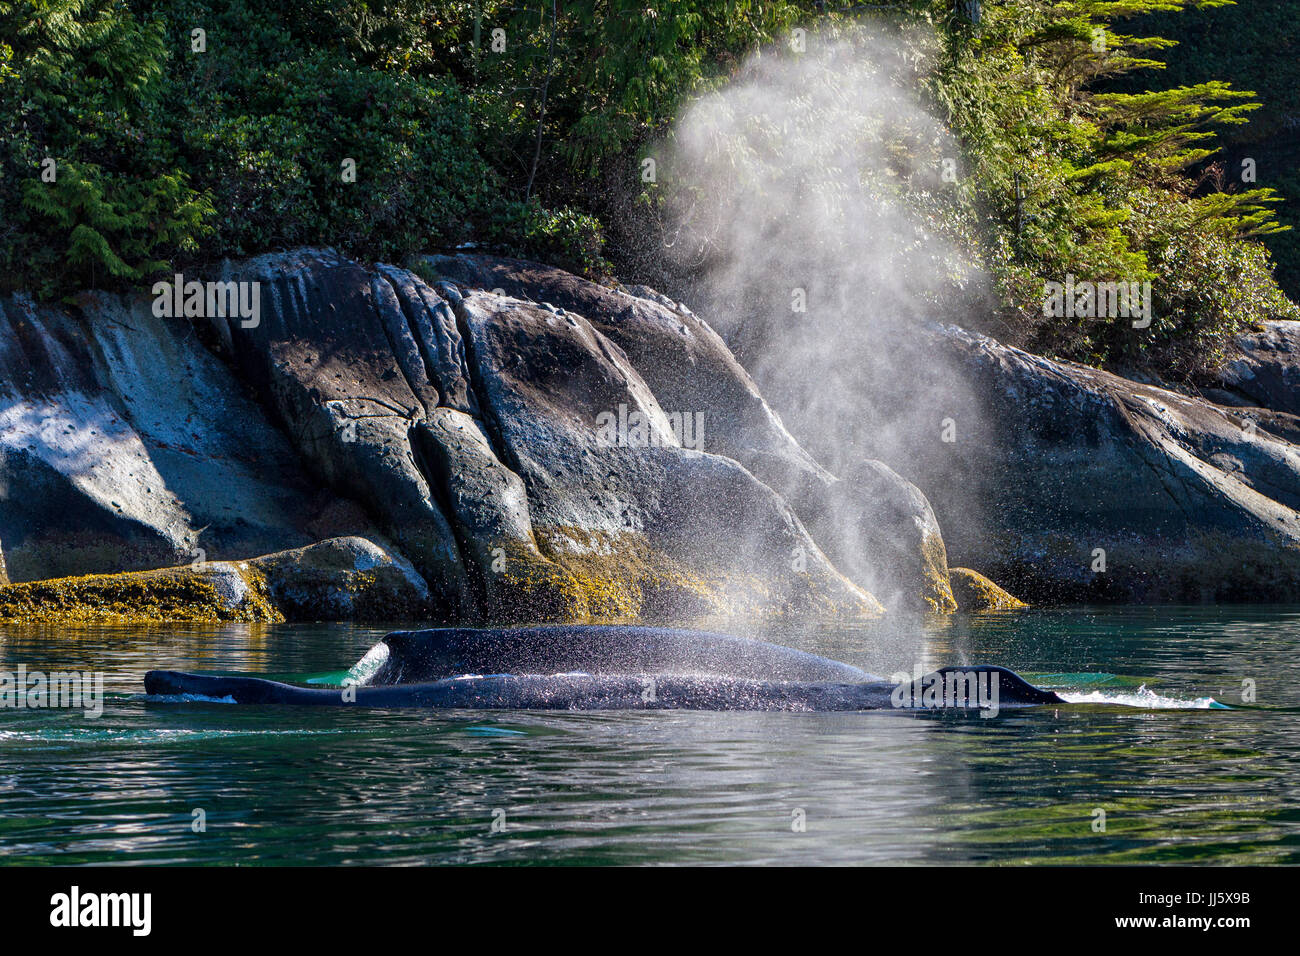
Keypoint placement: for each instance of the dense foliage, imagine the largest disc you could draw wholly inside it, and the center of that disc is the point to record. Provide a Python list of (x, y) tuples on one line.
[(1255, 46), (163, 152), (1105, 182), (521, 126)]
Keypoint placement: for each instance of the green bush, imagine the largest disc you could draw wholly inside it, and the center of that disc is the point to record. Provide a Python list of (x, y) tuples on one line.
[(1252, 44), (277, 172), (1104, 176), (77, 89), (565, 237), (115, 223), (170, 156), (166, 155)]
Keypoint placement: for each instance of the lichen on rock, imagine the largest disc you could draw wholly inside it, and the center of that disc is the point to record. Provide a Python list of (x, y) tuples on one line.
[(343, 579), (215, 592), (974, 592), (440, 429)]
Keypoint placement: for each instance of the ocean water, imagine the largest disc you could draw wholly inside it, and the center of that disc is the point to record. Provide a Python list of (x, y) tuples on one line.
[(1157, 759)]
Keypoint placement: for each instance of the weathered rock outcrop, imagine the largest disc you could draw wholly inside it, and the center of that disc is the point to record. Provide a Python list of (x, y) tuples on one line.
[(202, 593), (874, 526), (335, 359), (1264, 370), (485, 439), (1068, 483), (340, 579), (474, 431), (125, 444), (975, 592), (491, 439), (469, 424)]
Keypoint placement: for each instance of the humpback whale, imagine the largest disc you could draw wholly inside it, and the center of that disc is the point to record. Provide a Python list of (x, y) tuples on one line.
[(599, 667), (597, 649)]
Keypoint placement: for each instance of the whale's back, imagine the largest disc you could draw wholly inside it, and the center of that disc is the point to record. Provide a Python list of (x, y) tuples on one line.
[(429, 655)]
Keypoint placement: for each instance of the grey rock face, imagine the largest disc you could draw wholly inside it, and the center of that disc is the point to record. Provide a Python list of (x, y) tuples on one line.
[(486, 439), (476, 428), (874, 526), (880, 530), (343, 579), (336, 358), (1069, 483), (348, 578), (470, 428), (1265, 371), (125, 444)]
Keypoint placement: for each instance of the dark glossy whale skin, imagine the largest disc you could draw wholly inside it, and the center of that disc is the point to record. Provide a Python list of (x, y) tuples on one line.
[(429, 655), (587, 692)]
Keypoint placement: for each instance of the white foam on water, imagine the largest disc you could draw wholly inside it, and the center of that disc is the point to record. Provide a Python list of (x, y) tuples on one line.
[(1142, 697)]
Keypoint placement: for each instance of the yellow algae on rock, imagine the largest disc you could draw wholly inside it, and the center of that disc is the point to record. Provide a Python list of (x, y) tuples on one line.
[(975, 592), (215, 591), (937, 586)]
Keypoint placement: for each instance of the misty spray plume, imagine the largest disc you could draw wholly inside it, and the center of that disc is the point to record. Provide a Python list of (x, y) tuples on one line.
[(803, 201)]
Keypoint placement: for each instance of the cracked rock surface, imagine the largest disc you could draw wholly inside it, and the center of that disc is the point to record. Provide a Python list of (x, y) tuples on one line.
[(459, 427), (436, 442), (1066, 483)]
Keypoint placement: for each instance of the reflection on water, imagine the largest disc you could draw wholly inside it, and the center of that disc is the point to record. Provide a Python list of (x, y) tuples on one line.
[(283, 785)]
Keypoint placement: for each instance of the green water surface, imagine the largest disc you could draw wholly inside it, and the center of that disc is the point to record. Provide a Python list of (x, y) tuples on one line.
[(1179, 781)]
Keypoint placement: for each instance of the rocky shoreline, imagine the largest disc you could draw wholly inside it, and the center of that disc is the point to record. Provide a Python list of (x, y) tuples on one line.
[(449, 442)]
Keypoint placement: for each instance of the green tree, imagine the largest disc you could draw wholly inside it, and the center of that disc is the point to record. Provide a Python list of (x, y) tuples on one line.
[(81, 169)]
